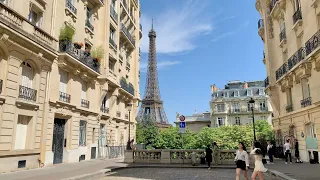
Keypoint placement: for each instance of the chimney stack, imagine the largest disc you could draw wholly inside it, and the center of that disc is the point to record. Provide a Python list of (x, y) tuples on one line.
[(245, 85), (213, 88)]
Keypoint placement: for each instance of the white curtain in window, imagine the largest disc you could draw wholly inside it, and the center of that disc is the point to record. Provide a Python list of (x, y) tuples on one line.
[(63, 81), (27, 75), (305, 88)]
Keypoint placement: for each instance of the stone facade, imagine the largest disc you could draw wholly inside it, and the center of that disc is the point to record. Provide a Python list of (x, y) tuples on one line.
[(290, 32), (59, 102), (197, 121), (230, 106)]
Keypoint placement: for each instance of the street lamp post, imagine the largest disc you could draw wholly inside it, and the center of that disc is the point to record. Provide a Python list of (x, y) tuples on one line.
[(129, 108), (252, 109)]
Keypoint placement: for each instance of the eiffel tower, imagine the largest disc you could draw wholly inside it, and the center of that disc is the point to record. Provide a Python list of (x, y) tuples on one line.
[(151, 104)]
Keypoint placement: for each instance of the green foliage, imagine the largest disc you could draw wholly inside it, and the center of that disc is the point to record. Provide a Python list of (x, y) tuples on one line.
[(66, 33), (98, 52), (227, 137)]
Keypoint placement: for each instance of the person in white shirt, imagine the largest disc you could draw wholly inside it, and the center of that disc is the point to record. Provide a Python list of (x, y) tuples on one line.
[(270, 152), (242, 161), (287, 151)]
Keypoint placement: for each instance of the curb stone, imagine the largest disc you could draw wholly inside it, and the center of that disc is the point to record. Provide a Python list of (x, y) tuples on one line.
[(279, 175), (94, 175)]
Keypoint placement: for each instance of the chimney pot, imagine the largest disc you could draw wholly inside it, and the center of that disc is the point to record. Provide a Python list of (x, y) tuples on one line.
[(213, 88), (245, 85)]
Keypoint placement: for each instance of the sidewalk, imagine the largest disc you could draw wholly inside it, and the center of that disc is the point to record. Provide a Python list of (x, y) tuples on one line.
[(305, 171), (64, 171)]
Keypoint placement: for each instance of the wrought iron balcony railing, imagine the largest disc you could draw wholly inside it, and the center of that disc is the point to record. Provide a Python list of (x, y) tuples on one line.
[(79, 54), (260, 23), (297, 16), (118, 114), (64, 97), (127, 33), (306, 102), (104, 109), (71, 7), (313, 43), (89, 25), (128, 64), (266, 82), (273, 4), (126, 116), (281, 71), (140, 27), (27, 93), (85, 103), (125, 5), (283, 35), (127, 87), (113, 14), (1, 82), (296, 58), (111, 41), (289, 108)]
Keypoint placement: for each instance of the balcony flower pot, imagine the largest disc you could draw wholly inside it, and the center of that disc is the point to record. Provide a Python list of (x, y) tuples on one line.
[(64, 44), (87, 53), (78, 45)]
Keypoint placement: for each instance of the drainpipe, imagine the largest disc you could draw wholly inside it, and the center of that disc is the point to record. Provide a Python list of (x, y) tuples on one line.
[(44, 123)]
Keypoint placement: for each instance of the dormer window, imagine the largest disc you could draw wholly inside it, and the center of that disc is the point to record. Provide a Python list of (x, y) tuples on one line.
[(236, 94), (249, 92), (261, 92)]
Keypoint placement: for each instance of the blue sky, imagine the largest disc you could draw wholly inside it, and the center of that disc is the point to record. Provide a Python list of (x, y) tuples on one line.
[(199, 43)]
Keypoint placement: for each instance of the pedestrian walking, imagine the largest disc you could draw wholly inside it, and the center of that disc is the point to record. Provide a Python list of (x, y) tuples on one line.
[(242, 161), (215, 153), (270, 152), (259, 168), (296, 152), (209, 156), (287, 151)]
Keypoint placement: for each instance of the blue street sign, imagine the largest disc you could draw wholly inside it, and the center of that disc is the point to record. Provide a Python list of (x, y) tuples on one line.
[(182, 124)]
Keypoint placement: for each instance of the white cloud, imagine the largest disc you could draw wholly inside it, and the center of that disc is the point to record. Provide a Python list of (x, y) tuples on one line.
[(177, 28), (160, 65), (221, 36)]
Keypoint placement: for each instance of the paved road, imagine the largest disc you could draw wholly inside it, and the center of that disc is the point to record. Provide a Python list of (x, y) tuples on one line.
[(174, 174)]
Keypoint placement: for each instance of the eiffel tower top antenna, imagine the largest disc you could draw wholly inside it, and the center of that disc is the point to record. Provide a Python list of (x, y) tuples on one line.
[(152, 24)]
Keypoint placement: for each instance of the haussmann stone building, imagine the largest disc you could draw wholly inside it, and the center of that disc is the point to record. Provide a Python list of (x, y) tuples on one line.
[(69, 78)]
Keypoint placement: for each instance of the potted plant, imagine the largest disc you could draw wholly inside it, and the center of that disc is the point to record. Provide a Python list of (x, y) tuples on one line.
[(97, 54), (78, 45), (65, 37)]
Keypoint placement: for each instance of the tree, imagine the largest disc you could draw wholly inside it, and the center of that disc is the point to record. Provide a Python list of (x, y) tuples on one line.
[(147, 132)]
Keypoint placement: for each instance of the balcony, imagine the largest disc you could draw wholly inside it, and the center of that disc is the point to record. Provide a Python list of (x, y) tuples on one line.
[(297, 16), (140, 27), (282, 35), (273, 3), (260, 23), (89, 26), (71, 7), (276, 6), (125, 5), (128, 65), (118, 114), (22, 26), (98, 2), (313, 43), (80, 55), (126, 32), (127, 87), (306, 102), (104, 109), (296, 58), (111, 41), (281, 71), (289, 108), (1, 82), (266, 82), (27, 93), (113, 14), (126, 116), (85, 103), (64, 97)]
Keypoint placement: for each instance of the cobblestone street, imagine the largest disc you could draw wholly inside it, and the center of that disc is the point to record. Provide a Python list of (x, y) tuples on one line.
[(174, 174)]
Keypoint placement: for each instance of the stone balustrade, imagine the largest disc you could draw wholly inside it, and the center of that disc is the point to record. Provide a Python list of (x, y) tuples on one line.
[(177, 156)]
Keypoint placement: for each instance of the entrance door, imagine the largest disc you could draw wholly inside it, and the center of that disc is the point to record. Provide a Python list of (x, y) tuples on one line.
[(58, 140)]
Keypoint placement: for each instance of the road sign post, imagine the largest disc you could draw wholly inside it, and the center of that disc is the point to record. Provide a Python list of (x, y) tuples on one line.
[(182, 124)]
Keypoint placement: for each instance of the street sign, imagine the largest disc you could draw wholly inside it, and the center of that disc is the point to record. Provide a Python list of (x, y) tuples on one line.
[(182, 127), (182, 118)]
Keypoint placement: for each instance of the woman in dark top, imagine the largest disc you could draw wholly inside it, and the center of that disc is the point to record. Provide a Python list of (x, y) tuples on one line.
[(296, 153), (209, 156)]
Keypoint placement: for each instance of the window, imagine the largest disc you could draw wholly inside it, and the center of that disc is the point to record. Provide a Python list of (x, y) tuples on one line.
[(249, 107), (22, 132), (261, 92), (63, 81), (93, 135), (236, 107), (296, 4), (35, 17), (220, 107), (263, 117), (82, 133), (236, 94), (83, 90), (289, 96), (116, 136), (113, 4), (87, 47), (105, 102), (89, 14), (27, 75), (113, 35), (262, 106), (4, 1), (111, 65), (237, 119), (249, 92), (305, 88), (220, 121)]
